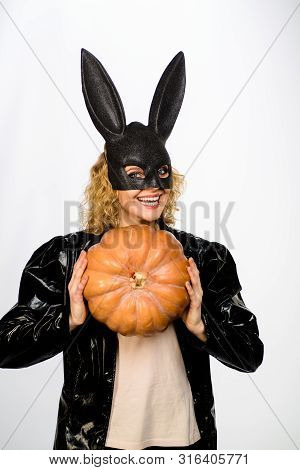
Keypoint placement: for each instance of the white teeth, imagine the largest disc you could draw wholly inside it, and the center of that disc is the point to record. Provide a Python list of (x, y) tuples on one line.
[(149, 201), (149, 198)]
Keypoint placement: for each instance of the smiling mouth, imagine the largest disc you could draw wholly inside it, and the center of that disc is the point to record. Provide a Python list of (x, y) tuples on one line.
[(149, 201)]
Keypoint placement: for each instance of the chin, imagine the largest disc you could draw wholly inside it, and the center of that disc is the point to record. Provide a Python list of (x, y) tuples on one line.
[(150, 217)]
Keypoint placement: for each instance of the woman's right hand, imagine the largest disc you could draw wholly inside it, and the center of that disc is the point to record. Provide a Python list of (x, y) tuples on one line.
[(76, 286)]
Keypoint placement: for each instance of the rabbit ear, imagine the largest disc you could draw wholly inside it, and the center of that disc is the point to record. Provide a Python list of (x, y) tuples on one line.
[(101, 97), (168, 97)]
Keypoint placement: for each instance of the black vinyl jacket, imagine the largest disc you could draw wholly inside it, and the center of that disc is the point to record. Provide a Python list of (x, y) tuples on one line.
[(37, 327)]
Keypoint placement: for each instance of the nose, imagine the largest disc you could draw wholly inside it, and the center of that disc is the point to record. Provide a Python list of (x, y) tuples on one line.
[(154, 181)]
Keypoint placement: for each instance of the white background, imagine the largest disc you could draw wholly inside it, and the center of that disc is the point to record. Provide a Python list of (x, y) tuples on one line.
[(241, 110)]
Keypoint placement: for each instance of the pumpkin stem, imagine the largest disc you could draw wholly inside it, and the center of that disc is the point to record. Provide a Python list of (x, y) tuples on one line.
[(138, 280)]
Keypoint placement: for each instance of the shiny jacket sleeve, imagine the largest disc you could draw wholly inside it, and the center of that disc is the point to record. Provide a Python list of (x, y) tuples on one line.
[(231, 328), (37, 326)]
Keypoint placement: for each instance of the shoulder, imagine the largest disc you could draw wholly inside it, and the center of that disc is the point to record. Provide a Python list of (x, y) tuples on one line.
[(58, 246), (213, 259), (80, 240), (204, 250)]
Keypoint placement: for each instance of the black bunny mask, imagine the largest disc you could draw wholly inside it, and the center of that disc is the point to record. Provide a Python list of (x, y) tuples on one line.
[(135, 143)]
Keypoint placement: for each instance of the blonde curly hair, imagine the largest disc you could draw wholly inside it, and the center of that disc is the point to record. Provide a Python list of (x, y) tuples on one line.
[(100, 205)]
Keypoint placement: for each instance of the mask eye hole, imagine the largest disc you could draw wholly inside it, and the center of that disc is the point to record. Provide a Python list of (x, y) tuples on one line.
[(135, 172), (163, 171)]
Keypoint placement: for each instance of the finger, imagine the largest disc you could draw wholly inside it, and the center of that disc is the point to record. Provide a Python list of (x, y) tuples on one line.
[(197, 290), (77, 272), (78, 289), (194, 295), (194, 274), (190, 289), (193, 265), (83, 282), (197, 270), (80, 269), (75, 267), (78, 263), (79, 257)]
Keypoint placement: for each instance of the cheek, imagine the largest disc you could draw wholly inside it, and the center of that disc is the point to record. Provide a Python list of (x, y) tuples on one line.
[(128, 202), (124, 200), (164, 199), (126, 197)]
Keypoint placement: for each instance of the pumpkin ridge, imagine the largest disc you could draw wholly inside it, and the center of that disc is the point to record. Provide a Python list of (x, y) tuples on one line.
[(168, 299), (117, 261), (167, 284), (123, 276), (166, 264), (164, 282), (145, 261), (150, 251), (105, 293), (158, 304)]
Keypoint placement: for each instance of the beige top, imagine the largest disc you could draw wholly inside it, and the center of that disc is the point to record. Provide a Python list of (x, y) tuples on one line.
[(152, 403)]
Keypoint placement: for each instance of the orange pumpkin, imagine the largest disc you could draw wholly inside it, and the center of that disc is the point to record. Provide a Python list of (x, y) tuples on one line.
[(137, 278)]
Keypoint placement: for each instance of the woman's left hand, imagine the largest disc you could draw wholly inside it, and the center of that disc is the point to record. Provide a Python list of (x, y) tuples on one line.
[(192, 314)]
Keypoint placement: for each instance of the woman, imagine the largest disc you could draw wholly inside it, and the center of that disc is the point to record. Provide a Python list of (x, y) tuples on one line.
[(135, 207), (99, 407)]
